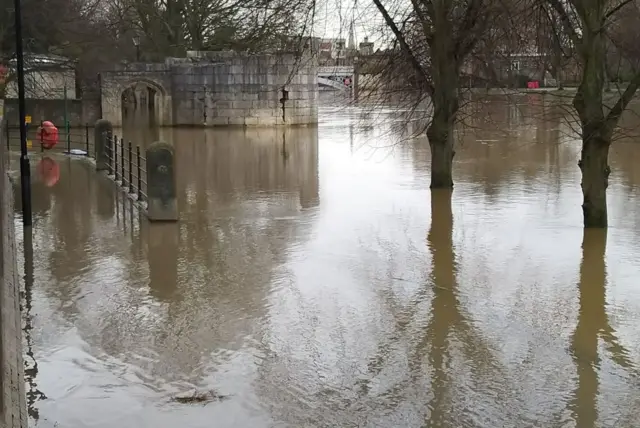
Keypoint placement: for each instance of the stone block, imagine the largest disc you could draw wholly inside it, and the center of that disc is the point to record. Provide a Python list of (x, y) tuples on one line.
[(251, 121), (242, 104), (221, 96), (228, 112), (236, 120), (251, 79), (301, 103), (265, 112), (268, 121), (265, 104), (218, 121), (282, 79), (220, 105), (270, 93)]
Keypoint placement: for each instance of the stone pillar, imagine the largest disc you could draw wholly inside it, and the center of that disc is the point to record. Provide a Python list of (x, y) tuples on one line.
[(103, 132), (162, 204)]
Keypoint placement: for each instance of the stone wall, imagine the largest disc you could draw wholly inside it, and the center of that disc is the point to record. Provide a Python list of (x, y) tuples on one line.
[(235, 89), (220, 88), (14, 414)]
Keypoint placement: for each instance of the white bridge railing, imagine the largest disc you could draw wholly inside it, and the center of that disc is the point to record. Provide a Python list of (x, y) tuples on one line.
[(336, 70), (333, 84)]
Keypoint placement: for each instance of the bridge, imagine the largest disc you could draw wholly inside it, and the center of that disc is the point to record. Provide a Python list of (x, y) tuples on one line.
[(333, 76)]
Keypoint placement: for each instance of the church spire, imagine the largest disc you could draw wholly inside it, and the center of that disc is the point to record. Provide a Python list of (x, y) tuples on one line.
[(352, 38)]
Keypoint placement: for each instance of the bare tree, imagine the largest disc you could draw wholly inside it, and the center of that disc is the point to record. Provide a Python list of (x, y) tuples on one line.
[(171, 27), (591, 25), (435, 38), (71, 29)]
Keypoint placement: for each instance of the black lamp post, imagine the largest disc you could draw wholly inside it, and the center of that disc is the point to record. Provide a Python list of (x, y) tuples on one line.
[(25, 167), (136, 43)]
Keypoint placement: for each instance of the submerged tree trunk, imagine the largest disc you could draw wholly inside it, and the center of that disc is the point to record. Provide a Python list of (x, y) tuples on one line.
[(440, 134), (596, 137), (445, 71), (594, 164), (586, 23), (440, 38)]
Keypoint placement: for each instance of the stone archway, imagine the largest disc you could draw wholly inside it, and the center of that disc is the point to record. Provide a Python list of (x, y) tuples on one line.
[(117, 93), (139, 102)]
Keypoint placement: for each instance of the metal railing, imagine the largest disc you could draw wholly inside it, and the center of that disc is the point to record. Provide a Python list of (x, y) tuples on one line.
[(127, 166), (76, 141)]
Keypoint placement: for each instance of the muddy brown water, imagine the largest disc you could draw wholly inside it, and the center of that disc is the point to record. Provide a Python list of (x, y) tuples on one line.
[(315, 281)]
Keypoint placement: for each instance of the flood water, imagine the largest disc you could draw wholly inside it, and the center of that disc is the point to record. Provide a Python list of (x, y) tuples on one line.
[(314, 281)]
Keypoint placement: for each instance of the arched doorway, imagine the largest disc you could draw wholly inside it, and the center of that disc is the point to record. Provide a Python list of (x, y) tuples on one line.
[(143, 104), (126, 96)]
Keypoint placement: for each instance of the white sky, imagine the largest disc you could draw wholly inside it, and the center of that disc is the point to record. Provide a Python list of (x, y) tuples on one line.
[(333, 18)]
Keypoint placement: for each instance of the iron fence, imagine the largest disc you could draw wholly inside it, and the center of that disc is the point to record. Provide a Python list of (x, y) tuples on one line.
[(127, 166), (73, 141)]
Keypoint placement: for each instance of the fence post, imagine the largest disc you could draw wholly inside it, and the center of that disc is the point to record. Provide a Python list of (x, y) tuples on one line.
[(3, 123), (8, 135), (109, 155), (86, 137), (122, 177), (102, 140), (115, 157), (161, 183), (139, 176), (130, 169)]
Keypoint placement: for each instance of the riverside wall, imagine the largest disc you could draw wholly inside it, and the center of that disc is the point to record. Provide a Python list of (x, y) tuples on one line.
[(14, 413)]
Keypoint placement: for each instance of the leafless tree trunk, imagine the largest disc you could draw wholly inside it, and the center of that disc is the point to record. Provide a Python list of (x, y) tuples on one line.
[(587, 23), (436, 37)]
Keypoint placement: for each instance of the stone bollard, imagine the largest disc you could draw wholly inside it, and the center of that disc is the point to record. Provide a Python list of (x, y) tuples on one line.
[(103, 132), (162, 204)]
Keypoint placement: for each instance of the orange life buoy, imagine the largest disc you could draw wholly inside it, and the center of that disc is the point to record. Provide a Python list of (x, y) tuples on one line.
[(48, 134)]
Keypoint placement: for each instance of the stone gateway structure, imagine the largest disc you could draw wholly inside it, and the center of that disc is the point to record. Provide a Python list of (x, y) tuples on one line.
[(216, 89)]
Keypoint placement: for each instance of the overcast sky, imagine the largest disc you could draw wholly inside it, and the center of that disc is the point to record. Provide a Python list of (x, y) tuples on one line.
[(334, 17)]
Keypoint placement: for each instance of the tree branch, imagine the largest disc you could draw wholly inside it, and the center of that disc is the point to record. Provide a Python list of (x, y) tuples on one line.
[(616, 112), (404, 46), (615, 10), (423, 20), (558, 6), (467, 37)]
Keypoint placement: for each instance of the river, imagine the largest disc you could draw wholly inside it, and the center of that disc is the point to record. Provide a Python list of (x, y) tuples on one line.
[(314, 281)]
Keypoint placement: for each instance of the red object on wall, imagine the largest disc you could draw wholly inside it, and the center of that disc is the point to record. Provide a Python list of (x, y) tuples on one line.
[(48, 134), (49, 171)]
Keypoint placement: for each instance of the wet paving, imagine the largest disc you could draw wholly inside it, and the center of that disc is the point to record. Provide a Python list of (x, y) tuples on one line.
[(314, 281)]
